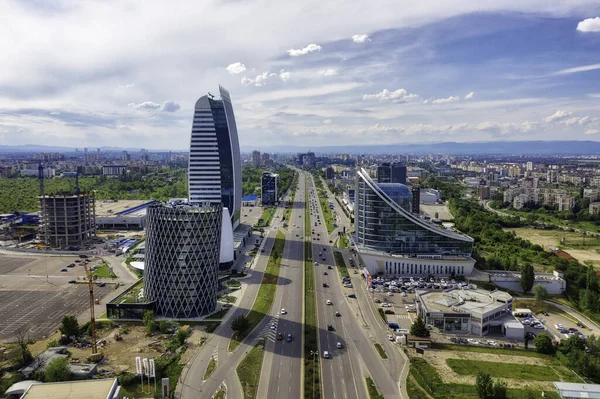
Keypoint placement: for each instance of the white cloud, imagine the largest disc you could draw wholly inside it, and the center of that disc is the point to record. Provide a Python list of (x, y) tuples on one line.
[(167, 106), (592, 131), (450, 99), (589, 25), (284, 76), (327, 121), (146, 105), (127, 86), (361, 38), (235, 68), (308, 49), (557, 116), (385, 94), (583, 68), (578, 121), (170, 106), (470, 95), (328, 72), (276, 95), (259, 80)]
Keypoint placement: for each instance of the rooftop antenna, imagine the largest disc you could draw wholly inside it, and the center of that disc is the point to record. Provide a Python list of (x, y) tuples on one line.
[(210, 95)]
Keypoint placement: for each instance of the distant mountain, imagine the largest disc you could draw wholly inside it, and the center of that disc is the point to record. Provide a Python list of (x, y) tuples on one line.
[(452, 148), (537, 148)]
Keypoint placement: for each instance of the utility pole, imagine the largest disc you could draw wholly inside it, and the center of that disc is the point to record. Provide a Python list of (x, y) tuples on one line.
[(92, 316)]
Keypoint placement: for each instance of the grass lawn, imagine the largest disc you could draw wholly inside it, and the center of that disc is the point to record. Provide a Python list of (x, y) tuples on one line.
[(551, 219), (414, 392), (341, 264), (266, 292), (267, 217), (103, 272), (218, 315), (248, 371), (372, 389), (327, 214), (505, 370), (380, 350), (212, 365), (220, 394), (492, 351), (312, 375), (343, 242)]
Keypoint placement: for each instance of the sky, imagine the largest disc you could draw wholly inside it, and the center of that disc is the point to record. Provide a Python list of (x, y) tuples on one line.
[(127, 73)]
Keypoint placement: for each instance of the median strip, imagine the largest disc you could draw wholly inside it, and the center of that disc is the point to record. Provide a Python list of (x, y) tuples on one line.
[(312, 376), (380, 350), (266, 293), (248, 371)]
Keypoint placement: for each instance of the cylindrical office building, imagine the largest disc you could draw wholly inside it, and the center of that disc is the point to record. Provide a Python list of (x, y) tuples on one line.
[(182, 258)]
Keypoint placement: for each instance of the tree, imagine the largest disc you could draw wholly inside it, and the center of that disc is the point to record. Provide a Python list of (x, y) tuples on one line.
[(181, 335), (164, 326), (484, 385), (543, 344), (57, 370), (499, 389), (418, 328), (149, 321), (527, 277), (436, 215), (540, 292), (23, 356), (69, 326), (240, 324)]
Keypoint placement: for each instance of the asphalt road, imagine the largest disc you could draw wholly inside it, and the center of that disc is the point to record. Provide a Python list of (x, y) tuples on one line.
[(282, 363)]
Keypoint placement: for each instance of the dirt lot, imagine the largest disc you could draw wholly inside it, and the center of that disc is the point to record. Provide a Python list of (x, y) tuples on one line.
[(442, 210), (437, 358), (583, 249)]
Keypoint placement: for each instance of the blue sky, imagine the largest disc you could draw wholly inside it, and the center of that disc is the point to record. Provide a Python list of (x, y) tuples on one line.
[(127, 73)]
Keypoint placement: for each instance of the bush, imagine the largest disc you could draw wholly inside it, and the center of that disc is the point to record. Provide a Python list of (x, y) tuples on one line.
[(57, 370), (69, 326), (164, 326), (484, 385), (126, 379), (52, 343), (543, 344)]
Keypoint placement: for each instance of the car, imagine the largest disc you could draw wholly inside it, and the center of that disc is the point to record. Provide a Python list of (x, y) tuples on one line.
[(385, 305), (279, 336), (539, 326), (283, 311), (316, 263), (289, 338), (330, 327), (72, 281), (545, 313), (273, 326), (331, 242), (391, 338), (328, 302), (262, 250), (101, 284), (337, 314), (355, 272), (326, 355), (339, 345), (297, 235), (559, 326), (389, 311), (63, 270), (580, 325), (530, 335), (351, 296), (329, 267), (71, 265), (325, 285)]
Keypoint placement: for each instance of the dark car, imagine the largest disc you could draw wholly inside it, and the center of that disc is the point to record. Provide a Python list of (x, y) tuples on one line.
[(325, 285), (72, 281), (330, 327), (337, 314), (580, 325), (63, 270), (389, 311), (279, 336), (101, 284), (545, 313), (289, 338), (71, 265), (329, 267), (325, 273), (351, 296)]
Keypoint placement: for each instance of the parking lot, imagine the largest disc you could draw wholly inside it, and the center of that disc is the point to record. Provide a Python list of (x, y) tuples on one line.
[(33, 301)]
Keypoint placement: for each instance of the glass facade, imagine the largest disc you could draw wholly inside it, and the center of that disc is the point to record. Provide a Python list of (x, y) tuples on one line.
[(398, 193), (182, 259), (384, 225)]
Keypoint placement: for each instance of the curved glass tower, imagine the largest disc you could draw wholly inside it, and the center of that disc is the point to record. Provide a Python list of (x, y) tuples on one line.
[(214, 168), (182, 259), (384, 223)]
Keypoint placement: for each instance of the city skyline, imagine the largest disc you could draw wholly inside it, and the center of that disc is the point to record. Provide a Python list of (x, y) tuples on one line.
[(433, 73)]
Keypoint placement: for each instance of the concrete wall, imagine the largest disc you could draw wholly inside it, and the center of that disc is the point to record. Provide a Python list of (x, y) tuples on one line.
[(554, 287), (376, 264)]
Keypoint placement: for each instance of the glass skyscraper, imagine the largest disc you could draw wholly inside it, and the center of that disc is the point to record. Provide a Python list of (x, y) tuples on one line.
[(385, 223), (214, 170)]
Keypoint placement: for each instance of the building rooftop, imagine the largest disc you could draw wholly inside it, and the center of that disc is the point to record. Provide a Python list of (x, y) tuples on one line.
[(463, 301), (575, 390), (109, 208), (251, 197), (85, 389)]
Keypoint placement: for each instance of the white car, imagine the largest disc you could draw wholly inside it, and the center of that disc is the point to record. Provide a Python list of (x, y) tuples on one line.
[(326, 355), (391, 338), (539, 326), (385, 305), (339, 345), (273, 326), (283, 311), (329, 302)]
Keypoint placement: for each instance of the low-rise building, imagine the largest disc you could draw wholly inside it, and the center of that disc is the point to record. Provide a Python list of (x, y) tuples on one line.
[(473, 311), (572, 390), (594, 208), (84, 389)]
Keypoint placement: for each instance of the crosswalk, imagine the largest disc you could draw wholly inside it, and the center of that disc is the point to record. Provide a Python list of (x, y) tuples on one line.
[(404, 316), (268, 333)]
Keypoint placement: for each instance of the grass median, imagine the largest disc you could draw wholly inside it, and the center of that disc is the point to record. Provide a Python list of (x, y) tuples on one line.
[(212, 365), (372, 389), (312, 375), (380, 350), (248, 371), (341, 264), (266, 292)]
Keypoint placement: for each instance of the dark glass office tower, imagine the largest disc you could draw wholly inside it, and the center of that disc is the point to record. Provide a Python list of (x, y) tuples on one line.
[(215, 173)]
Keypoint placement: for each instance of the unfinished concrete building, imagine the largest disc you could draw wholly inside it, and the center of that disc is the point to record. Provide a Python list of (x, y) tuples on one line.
[(67, 220)]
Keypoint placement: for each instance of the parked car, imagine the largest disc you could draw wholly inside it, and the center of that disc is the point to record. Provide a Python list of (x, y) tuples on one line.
[(72, 281), (389, 311), (63, 270), (351, 296)]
